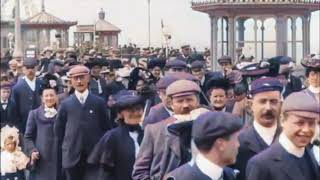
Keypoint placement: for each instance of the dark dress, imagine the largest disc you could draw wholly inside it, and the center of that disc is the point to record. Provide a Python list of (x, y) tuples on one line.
[(115, 153), (39, 136)]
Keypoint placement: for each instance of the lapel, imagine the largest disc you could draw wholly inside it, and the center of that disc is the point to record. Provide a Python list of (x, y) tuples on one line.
[(75, 100), (174, 145), (290, 168), (315, 165), (251, 140), (25, 84), (198, 173)]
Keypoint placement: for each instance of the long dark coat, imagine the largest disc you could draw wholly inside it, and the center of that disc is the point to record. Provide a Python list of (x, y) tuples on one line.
[(115, 152), (39, 137)]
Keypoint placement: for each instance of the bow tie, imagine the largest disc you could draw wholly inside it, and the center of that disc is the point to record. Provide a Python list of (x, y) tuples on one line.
[(133, 128), (316, 143), (50, 112)]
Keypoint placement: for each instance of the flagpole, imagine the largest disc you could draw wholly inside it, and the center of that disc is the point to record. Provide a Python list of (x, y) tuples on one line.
[(149, 29)]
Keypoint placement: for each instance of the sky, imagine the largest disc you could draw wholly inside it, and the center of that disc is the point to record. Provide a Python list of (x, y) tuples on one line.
[(131, 16)]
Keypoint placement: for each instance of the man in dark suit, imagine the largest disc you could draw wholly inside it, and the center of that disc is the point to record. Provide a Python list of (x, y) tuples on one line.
[(198, 69), (97, 84), (25, 94), (266, 105), (290, 158), (215, 135), (184, 97), (81, 122), (162, 110)]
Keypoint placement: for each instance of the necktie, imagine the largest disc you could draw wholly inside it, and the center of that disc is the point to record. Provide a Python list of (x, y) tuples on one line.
[(81, 98)]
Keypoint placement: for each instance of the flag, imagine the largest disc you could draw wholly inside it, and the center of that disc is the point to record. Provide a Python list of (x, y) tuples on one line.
[(162, 26)]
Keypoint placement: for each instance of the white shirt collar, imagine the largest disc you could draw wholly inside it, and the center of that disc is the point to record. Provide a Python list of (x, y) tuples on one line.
[(202, 80), (84, 95), (208, 168), (169, 111), (290, 147), (316, 152), (31, 83), (134, 136), (315, 90), (267, 134), (2, 101)]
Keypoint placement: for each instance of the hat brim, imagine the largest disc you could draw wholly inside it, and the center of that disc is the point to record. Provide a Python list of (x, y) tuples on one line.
[(78, 74), (184, 94), (126, 102), (307, 114)]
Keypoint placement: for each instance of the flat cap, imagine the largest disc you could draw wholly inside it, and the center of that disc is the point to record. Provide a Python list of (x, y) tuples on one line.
[(225, 59), (127, 98), (311, 61), (58, 62), (198, 64), (165, 81), (185, 46), (265, 84), (213, 125), (6, 85), (176, 63), (302, 104), (78, 70), (186, 76), (30, 62), (182, 88)]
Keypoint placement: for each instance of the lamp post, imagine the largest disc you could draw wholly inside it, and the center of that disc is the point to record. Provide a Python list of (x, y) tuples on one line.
[(10, 38), (149, 29), (17, 32)]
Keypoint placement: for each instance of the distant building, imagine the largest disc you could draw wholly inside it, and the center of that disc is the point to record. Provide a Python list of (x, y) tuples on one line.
[(40, 30), (102, 33), (284, 38)]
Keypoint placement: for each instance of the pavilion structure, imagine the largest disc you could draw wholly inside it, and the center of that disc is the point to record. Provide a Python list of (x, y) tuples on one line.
[(100, 35), (43, 30), (229, 19)]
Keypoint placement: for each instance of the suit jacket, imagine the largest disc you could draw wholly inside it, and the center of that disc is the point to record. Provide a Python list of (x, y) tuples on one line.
[(294, 85), (25, 100), (192, 172), (93, 88), (148, 161), (79, 127), (250, 144), (273, 164), (8, 114), (156, 114)]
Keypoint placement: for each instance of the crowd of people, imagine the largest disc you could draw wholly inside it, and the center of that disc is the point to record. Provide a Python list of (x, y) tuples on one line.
[(148, 114)]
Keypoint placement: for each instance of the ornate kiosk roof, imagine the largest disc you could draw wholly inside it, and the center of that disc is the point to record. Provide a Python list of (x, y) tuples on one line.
[(44, 19), (226, 7)]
